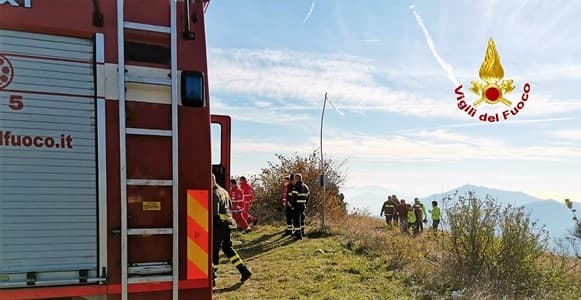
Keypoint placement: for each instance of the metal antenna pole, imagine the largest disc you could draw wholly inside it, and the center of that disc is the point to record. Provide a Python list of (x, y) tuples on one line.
[(323, 164)]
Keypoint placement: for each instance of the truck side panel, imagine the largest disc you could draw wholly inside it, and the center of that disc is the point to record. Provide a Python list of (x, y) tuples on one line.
[(148, 157)]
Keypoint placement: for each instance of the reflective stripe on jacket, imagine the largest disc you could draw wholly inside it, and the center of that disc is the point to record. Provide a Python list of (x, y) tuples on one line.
[(300, 194), (221, 202), (247, 191)]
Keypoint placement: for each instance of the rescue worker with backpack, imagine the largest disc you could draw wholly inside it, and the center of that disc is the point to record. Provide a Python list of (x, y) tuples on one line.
[(419, 214), (424, 218), (287, 190), (299, 199), (388, 208), (238, 206), (411, 219), (222, 228), (402, 212)]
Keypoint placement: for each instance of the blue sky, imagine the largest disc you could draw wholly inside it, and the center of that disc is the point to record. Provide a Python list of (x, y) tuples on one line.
[(270, 63)]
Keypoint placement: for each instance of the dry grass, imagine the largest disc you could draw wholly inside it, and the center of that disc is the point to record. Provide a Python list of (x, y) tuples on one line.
[(422, 262), (363, 259)]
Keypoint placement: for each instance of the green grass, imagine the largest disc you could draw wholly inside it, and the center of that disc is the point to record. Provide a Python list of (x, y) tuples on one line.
[(362, 259), (313, 268)]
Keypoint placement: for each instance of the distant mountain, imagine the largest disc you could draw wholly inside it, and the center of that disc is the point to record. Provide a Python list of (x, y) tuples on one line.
[(505, 197), (368, 198), (555, 215)]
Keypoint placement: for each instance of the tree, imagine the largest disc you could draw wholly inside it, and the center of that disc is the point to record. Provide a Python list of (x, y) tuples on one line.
[(269, 183), (576, 232)]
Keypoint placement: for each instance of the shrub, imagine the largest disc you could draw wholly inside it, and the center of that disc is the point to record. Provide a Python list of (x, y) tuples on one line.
[(269, 183), (499, 251)]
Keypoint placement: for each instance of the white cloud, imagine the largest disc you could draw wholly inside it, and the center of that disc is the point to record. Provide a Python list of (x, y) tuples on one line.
[(422, 146), (262, 113), (241, 146), (441, 145), (479, 124), (304, 77), (369, 40), (262, 104), (568, 134), (282, 76)]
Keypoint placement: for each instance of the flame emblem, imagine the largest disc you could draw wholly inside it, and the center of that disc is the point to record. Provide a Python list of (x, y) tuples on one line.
[(491, 72)]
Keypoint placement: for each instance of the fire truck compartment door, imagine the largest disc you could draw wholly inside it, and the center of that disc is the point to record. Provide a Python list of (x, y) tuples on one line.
[(48, 167)]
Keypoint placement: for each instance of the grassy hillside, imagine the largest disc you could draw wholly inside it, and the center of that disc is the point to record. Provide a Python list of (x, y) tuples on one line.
[(361, 259), (318, 268)]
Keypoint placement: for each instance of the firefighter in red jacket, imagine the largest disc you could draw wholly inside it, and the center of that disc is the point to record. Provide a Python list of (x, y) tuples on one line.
[(237, 199), (287, 189), (248, 193)]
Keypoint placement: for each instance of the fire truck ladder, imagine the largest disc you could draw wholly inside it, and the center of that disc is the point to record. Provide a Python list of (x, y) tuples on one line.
[(149, 272)]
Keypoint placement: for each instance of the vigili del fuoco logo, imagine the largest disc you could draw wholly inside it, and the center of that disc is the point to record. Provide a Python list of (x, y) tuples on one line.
[(492, 90)]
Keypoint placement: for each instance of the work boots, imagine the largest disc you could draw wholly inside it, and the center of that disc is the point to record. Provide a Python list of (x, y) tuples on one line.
[(214, 276), (298, 235), (244, 272)]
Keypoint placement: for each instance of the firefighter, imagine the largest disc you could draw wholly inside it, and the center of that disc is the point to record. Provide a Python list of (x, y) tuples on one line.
[(299, 200), (286, 195), (396, 214), (223, 224), (248, 193), (389, 210), (238, 206)]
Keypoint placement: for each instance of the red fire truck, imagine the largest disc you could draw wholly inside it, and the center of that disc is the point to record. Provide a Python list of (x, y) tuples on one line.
[(105, 150)]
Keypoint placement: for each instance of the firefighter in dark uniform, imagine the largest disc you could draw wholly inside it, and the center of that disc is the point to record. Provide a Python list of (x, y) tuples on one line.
[(223, 224), (288, 190), (388, 208), (299, 200)]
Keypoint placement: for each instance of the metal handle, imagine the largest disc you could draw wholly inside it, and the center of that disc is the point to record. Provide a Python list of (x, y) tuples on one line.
[(188, 35)]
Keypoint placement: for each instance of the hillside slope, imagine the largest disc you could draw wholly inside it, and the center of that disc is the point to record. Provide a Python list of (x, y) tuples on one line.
[(314, 268)]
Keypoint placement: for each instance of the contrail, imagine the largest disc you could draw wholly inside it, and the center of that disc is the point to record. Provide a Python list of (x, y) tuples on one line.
[(369, 40), (447, 68), (310, 12)]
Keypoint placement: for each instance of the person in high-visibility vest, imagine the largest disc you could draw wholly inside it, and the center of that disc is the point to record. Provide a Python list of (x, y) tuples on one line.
[(223, 225), (299, 200), (286, 195), (411, 219), (436, 215), (248, 192), (237, 198)]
